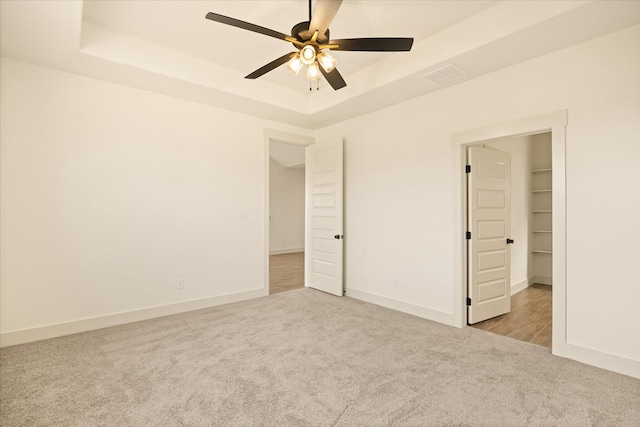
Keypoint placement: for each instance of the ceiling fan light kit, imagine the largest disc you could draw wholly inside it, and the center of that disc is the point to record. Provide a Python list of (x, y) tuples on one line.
[(313, 72), (308, 54), (295, 64), (327, 62), (311, 38)]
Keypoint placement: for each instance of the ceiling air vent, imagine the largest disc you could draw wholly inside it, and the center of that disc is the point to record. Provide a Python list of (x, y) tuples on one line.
[(445, 74)]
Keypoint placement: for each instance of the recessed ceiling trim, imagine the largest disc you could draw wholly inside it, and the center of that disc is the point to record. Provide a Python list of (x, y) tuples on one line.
[(48, 34)]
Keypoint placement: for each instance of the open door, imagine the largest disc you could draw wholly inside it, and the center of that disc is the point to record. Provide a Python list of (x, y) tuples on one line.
[(488, 225), (324, 245)]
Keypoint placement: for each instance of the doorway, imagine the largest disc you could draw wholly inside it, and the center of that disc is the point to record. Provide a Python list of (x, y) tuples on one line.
[(285, 208), (555, 123), (323, 266), (286, 216), (529, 287)]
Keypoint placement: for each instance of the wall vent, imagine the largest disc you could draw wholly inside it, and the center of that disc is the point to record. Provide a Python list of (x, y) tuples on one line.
[(445, 74)]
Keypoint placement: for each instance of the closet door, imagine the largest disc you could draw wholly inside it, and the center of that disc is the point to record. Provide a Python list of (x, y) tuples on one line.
[(488, 254)]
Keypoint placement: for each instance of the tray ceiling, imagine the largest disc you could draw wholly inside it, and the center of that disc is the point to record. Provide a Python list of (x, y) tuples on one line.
[(170, 48)]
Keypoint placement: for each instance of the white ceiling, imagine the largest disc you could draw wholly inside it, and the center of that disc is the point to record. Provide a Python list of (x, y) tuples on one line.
[(170, 48), (181, 26)]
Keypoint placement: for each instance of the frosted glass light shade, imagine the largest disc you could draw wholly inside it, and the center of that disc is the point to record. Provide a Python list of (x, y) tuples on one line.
[(313, 72), (295, 64), (327, 62)]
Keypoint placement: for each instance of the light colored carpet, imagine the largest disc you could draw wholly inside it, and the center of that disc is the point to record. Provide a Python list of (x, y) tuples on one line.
[(303, 358)]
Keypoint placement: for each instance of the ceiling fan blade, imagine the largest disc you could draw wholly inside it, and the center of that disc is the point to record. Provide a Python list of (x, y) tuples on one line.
[(374, 44), (270, 66), (323, 13), (248, 26), (334, 78)]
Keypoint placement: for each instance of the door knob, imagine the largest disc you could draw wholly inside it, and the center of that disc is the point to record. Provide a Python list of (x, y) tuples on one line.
[(338, 236), (509, 241)]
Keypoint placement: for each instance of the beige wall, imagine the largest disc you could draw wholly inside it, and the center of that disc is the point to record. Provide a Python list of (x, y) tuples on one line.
[(399, 184), (286, 208), (111, 195)]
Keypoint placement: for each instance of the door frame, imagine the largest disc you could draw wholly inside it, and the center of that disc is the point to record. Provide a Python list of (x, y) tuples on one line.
[(555, 123), (272, 135)]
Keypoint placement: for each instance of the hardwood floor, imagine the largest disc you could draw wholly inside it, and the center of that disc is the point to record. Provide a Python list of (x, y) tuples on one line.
[(286, 272), (529, 319)]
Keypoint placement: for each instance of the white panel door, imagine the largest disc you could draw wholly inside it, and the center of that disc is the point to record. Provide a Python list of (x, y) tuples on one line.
[(488, 255), (324, 244)]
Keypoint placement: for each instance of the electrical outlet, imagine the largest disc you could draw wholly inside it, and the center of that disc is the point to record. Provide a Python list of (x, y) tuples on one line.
[(180, 283), (394, 282)]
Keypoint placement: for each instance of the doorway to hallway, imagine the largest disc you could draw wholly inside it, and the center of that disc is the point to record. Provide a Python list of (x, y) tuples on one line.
[(319, 234), (286, 272), (286, 216)]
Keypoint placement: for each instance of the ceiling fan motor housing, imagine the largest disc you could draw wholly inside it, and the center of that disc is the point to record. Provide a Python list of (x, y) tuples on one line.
[(304, 26)]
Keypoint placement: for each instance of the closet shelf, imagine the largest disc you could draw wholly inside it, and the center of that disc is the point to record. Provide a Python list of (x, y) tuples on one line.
[(541, 171), (541, 231), (541, 211), (540, 251), (541, 191)]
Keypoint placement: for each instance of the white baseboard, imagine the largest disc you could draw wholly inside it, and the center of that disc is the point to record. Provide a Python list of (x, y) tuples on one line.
[(543, 280), (405, 307), (83, 325), (520, 286), (611, 362), (286, 251), (600, 359)]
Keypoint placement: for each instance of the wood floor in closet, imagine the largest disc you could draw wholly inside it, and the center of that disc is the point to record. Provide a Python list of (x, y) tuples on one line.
[(529, 319)]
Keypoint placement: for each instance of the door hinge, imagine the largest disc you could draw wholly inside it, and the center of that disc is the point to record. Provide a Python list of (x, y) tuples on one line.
[(468, 301), (468, 236), (467, 169)]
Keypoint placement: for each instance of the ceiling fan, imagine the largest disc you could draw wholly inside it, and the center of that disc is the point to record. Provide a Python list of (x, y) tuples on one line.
[(311, 38)]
